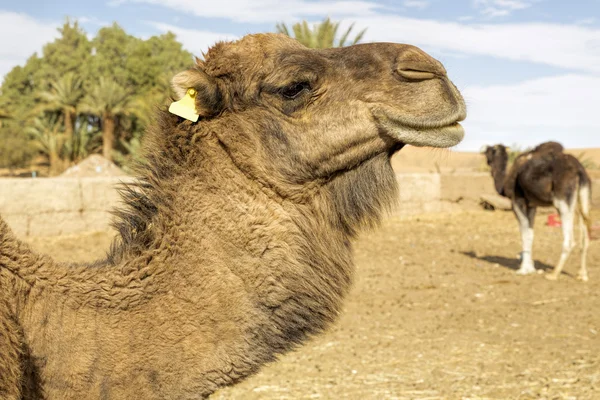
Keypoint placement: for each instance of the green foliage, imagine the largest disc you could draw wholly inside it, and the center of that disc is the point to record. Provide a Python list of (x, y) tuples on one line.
[(321, 35), (86, 86), (154, 59), (111, 49), (69, 54), (106, 97), (18, 90), (87, 139), (4, 115), (64, 93), (108, 101), (47, 134), (15, 150), (132, 155)]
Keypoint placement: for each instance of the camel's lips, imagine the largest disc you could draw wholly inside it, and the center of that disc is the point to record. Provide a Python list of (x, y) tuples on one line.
[(444, 136), (446, 132)]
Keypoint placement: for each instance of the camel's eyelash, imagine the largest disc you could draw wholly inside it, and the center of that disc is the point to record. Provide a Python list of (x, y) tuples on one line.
[(293, 90)]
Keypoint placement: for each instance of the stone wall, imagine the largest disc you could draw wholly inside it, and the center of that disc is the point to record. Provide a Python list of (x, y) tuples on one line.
[(463, 190), (62, 206), (419, 193), (57, 206)]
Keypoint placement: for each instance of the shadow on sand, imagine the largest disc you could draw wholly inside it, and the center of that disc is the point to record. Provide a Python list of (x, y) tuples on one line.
[(510, 263)]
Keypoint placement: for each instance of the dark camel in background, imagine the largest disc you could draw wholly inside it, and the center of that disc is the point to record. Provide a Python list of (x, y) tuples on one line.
[(235, 245), (543, 177)]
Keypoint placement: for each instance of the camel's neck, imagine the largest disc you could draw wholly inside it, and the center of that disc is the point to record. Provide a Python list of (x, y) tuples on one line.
[(210, 230), (499, 172), (17, 261), (292, 266), (212, 268)]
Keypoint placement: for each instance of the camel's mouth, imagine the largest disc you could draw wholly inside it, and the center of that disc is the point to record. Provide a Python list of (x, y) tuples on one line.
[(444, 136), (439, 136), (444, 133)]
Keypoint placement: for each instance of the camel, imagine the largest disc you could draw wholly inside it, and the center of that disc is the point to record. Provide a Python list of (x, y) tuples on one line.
[(544, 177), (235, 245)]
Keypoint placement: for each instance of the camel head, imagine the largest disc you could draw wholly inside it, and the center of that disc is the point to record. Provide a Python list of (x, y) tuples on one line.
[(497, 154), (289, 115), (497, 158)]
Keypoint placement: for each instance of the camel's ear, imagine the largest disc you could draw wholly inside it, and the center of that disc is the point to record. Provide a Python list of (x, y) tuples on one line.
[(208, 96)]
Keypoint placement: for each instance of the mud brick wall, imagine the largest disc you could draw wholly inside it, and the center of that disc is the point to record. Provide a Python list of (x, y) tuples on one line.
[(419, 194), (58, 206), (64, 206)]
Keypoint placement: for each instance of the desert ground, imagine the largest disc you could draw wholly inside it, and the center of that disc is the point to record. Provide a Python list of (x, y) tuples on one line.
[(437, 312)]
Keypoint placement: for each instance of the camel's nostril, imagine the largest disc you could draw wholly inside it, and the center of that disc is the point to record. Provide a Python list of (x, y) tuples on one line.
[(415, 74), (415, 65)]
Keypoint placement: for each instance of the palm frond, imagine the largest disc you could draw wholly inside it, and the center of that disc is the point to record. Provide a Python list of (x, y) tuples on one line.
[(321, 35)]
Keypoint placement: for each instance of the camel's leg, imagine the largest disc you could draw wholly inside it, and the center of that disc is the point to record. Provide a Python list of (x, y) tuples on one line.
[(526, 217), (11, 373), (585, 242), (567, 215), (584, 225)]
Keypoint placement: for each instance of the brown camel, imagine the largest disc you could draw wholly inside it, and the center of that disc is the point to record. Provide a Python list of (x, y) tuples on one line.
[(543, 177), (235, 247)]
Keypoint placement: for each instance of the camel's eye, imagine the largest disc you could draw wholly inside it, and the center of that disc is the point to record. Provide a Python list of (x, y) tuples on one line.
[(294, 90)]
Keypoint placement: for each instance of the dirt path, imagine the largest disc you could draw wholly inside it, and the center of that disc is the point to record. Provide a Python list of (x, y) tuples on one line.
[(437, 312)]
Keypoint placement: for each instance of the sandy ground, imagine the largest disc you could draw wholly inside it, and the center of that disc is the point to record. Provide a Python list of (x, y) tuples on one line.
[(437, 312)]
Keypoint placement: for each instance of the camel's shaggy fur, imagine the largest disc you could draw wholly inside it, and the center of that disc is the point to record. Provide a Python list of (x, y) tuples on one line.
[(235, 245), (545, 176)]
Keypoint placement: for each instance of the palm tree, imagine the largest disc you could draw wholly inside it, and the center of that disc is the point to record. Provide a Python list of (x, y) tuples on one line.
[(49, 139), (146, 103), (321, 35), (64, 95), (108, 101), (87, 139), (133, 155)]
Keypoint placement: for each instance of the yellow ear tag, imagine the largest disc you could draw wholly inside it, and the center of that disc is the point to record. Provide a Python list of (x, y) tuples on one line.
[(186, 107)]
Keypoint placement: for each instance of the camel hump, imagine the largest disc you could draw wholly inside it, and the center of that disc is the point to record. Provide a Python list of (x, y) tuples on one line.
[(540, 157), (549, 147)]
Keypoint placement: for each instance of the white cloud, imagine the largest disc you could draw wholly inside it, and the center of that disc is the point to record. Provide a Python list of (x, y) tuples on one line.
[(92, 21), (22, 36), (258, 11), (193, 40), (586, 21), (565, 46), (421, 4), (562, 108), (501, 8)]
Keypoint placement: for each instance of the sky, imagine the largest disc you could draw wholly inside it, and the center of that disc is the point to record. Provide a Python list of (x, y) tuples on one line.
[(529, 70)]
